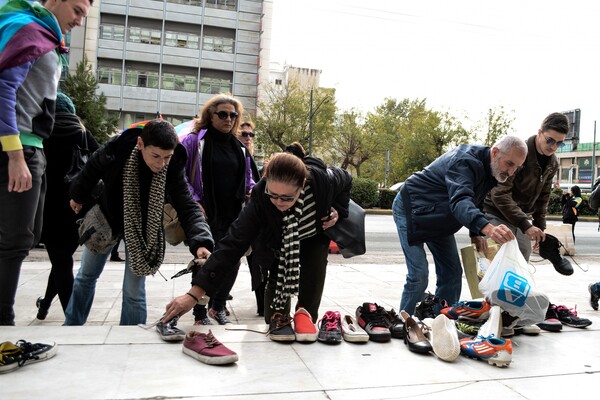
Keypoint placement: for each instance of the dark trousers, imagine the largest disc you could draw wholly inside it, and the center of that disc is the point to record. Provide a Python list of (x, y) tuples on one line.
[(218, 300), (60, 280), (20, 226), (313, 268)]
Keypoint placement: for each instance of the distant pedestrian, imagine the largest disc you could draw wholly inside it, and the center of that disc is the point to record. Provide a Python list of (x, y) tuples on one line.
[(571, 201)]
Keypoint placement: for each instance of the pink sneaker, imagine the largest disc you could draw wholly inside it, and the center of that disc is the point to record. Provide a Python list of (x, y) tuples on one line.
[(206, 348)]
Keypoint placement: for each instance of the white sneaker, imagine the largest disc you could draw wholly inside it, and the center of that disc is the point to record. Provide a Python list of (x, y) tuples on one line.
[(532, 330), (493, 326), (351, 332), (444, 338)]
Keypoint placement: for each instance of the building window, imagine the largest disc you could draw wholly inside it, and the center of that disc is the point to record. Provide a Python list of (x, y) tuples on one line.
[(222, 4), (142, 79), (109, 75), (278, 81), (197, 3), (144, 35), (220, 44), (214, 85), (180, 82), (184, 40), (112, 32)]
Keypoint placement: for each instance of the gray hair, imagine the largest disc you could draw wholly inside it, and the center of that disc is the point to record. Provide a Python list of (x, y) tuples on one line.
[(506, 143)]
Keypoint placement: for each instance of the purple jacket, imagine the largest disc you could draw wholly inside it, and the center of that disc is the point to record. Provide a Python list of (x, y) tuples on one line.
[(190, 142)]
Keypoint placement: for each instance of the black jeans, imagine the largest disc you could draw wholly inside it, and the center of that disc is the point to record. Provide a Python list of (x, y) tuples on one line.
[(313, 269), (20, 226)]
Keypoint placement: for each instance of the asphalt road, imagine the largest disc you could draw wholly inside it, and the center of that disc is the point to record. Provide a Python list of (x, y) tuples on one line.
[(383, 246)]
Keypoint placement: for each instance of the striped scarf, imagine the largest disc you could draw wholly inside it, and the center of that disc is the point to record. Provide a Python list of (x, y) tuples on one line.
[(299, 222), (146, 254)]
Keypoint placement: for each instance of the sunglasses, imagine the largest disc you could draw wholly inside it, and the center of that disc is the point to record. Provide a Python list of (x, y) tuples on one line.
[(551, 142), (224, 114), (287, 199), (246, 134)]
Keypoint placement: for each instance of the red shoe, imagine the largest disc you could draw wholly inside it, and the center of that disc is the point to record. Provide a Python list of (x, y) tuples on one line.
[(303, 326), (473, 310), (206, 348)]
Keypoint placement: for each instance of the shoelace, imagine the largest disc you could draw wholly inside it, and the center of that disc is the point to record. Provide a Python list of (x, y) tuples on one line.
[(211, 340), (331, 320), (280, 322), (567, 311), (28, 349)]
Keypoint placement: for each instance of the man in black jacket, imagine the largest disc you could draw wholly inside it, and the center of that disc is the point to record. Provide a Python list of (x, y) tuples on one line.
[(140, 167)]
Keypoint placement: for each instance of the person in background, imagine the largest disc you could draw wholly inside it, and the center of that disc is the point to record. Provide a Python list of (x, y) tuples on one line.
[(141, 168), (291, 207), (31, 50), (219, 174), (433, 204), (246, 136), (59, 231), (570, 201)]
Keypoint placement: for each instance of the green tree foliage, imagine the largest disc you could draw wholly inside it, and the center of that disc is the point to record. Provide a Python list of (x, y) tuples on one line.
[(91, 107), (351, 145), (498, 122), (285, 116), (413, 134)]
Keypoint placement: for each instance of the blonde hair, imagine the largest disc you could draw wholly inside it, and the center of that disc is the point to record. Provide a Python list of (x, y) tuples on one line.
[(247, 121), (208, 110)]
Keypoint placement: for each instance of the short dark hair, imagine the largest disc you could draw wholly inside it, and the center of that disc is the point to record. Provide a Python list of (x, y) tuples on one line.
[(576, 190), (557, 122), (296, 149), (159, 133)]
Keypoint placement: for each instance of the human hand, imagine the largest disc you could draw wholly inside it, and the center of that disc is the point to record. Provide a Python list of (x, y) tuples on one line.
[(178, 306), (480, 243), (500, 234), (535, 234), (202, 252), (19, 176), (330, 219), (76, 207)]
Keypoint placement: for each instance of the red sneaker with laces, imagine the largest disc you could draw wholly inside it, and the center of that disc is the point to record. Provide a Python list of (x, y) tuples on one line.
[(206, 348)]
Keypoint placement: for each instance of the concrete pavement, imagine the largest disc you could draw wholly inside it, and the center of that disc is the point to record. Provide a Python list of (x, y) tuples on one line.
[(105, 361)]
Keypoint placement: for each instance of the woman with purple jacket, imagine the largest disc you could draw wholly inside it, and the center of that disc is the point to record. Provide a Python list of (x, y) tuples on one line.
[(220, 179)]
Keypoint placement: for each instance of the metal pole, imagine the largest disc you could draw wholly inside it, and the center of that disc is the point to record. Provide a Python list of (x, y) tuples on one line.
[(310, 118), (593, 158)]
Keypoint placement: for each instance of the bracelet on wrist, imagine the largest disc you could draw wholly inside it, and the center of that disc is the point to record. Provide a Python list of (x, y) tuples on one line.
[(193, 297)]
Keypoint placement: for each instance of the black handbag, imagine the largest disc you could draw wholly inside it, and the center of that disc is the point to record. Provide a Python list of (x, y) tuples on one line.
[(78, 158), (349, 233)]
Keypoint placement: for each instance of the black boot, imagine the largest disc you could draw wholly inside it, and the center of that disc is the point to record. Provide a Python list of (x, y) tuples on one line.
[(550, 250)]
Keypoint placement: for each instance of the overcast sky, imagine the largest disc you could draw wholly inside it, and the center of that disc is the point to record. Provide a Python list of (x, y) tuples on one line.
[(463, 56)]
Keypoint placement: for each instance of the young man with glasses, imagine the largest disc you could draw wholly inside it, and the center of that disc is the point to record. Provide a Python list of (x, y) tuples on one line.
[(219, 176), (521, 202)]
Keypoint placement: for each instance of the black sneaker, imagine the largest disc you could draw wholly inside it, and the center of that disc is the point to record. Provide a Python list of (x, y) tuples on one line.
[(550, 250), (429, 306), (280, 328), (330, 328), (569, 316), (168, 332), (373, 319), (396, 325), (219, 316), (15, 356), (593, 297), (42, 312)]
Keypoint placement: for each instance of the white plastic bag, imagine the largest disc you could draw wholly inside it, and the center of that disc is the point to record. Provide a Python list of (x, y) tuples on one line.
[(509, 284)]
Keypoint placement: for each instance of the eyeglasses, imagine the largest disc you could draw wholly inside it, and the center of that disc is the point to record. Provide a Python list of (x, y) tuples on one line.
[(224, 114), (246, 134), (287, 199), (552, 142)]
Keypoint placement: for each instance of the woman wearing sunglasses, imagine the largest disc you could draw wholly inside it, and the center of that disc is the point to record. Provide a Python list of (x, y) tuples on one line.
[(220, 178), (297, 199)]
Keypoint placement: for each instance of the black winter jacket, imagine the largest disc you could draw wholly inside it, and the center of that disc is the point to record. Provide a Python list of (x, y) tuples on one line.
[(259, 224), (107, 164)]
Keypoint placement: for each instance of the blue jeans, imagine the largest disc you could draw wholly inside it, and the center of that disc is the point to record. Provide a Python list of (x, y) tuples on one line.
[(133, 309), (445, 256)]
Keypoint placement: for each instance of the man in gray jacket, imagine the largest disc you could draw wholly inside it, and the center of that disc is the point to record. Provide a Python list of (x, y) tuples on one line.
[(433, 204)]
